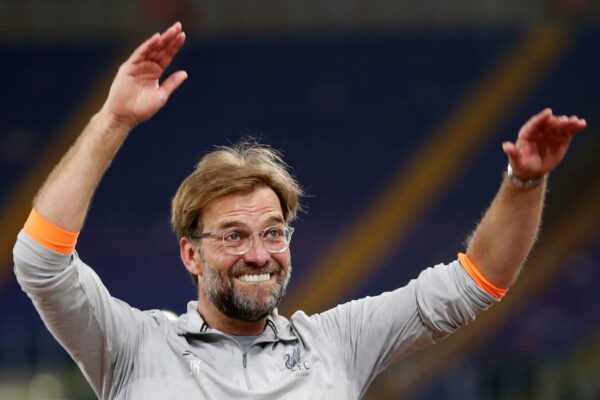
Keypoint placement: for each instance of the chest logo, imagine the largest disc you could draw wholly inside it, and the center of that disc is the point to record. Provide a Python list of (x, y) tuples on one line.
[(294, 361)]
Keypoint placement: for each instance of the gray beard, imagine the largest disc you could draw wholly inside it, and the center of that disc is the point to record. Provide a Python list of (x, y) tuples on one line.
[(219, 290)]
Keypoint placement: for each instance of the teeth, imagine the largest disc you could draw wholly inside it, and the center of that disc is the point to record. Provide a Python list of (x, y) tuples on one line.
[(254, 278)]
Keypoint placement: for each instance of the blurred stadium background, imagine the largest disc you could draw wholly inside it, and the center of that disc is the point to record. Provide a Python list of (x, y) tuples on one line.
[(391, 113)]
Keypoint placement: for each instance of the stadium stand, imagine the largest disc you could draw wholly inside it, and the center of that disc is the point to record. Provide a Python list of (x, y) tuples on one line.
[(349, 112)]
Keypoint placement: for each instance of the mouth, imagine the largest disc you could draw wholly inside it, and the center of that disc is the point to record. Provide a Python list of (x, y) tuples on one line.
[(255, 278)]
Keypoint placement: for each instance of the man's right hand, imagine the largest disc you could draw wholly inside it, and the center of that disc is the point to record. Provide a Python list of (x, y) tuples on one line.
[(136, 93)]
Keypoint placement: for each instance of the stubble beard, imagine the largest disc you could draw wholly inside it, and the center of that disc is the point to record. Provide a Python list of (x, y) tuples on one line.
[(220, 291)]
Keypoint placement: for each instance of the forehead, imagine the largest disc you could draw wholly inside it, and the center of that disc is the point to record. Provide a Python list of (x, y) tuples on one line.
[(252, 209)]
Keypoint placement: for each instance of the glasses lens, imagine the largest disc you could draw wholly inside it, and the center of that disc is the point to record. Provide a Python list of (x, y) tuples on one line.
[(237, 241), (276, 239)]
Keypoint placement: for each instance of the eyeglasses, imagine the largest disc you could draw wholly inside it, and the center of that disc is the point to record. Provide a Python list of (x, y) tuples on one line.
[(238, 241)]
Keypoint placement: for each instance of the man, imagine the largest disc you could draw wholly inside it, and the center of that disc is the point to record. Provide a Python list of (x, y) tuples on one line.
[(232, 218)]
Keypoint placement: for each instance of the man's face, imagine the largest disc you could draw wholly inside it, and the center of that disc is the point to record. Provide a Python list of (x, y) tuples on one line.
[(244, 287)]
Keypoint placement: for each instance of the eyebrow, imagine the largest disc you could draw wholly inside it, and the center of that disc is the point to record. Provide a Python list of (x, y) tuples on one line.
[(239, 224)]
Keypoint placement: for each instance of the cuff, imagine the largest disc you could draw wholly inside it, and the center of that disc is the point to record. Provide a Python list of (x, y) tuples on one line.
[(49, 235), (479, 279)]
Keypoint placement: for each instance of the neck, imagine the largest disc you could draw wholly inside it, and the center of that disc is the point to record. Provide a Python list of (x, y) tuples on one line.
[(217, 320)]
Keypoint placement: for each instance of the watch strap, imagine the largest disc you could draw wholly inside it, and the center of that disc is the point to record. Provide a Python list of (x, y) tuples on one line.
[(520, 183)]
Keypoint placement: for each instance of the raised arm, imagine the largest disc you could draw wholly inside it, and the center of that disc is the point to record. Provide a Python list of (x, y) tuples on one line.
[(505, 235), (135, 96)]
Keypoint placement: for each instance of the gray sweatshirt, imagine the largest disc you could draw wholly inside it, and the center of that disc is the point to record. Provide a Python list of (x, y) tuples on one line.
[(126, 353)]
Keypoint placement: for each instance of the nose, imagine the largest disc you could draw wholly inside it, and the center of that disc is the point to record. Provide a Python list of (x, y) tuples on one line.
[(258, 254)]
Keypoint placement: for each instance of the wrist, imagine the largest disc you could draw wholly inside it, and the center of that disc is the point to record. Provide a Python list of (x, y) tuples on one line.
[(524, 183), (105, 133), (114, 122)]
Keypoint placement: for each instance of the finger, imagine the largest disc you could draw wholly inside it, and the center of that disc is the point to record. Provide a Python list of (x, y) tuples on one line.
[(140, 52), (164, 56), (537, 118), (564, 127), (176, 44), (167, 56), (171, 84), (156, 43), (167, 37), (164, 51), (577, 123), (536, 123), (171, 32), (564, 120)]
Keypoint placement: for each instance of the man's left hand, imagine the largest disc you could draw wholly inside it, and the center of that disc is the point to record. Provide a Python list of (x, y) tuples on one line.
[(541, 144)]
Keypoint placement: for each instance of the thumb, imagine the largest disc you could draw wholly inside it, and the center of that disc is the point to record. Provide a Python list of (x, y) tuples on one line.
[(172, 82), (513, 154)]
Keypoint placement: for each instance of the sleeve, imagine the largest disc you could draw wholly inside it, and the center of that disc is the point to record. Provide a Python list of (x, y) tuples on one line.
[(375, 331), (98, 331)]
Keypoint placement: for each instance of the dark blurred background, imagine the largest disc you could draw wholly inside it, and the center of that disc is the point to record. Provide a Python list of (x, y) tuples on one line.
[(391, 114)]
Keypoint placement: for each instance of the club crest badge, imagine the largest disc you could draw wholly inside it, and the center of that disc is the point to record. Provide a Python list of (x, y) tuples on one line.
[(294, 362)]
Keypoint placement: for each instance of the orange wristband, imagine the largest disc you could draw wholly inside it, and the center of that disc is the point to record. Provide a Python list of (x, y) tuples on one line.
[(479, 279), (49, 235)]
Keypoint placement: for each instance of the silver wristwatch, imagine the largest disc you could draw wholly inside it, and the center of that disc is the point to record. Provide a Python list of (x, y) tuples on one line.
[(518, 182)]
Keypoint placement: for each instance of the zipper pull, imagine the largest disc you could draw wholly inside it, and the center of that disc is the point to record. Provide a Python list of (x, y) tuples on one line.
[(244, 359)]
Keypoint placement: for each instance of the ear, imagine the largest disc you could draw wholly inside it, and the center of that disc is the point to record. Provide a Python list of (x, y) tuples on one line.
[(190, 256)]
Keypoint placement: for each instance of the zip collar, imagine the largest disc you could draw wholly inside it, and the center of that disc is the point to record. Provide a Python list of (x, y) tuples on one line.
[(192, 324)]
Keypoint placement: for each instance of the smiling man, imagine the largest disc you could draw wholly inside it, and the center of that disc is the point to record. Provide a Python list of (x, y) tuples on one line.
[(243, 266), (232, 217)]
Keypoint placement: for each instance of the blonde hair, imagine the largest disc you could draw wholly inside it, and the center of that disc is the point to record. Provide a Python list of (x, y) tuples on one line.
[(239, 168)]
